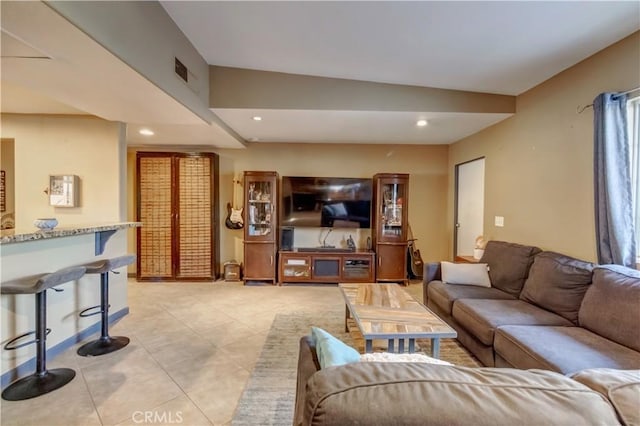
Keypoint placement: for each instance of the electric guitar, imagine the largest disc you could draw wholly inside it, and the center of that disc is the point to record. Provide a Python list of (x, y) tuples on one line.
[(234, 216)]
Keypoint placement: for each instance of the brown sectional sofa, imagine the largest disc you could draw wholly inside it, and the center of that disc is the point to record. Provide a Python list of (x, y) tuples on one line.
[(566, 330), (374, 393), (544, 310)]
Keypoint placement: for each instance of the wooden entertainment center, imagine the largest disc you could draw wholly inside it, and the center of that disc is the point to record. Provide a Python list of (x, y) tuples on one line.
[(330, 267), (385, 259)]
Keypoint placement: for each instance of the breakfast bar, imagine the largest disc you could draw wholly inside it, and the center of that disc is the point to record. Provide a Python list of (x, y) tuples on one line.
[(27, 252)]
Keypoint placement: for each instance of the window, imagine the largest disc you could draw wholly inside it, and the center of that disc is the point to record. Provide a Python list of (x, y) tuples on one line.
[(633, 118)]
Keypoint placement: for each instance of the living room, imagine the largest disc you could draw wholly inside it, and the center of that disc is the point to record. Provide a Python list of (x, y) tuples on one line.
[(538, 175)]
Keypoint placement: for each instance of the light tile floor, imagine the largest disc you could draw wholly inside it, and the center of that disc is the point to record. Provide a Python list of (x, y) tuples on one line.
[(193, 347)]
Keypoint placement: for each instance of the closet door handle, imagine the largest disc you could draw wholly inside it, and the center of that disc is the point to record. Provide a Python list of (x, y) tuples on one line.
[(271, 259)]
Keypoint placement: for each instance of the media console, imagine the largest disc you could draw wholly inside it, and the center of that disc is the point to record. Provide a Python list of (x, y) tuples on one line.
[(326, 267)]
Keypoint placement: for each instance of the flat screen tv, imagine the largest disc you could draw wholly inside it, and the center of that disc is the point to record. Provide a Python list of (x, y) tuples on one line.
[(326, 202)]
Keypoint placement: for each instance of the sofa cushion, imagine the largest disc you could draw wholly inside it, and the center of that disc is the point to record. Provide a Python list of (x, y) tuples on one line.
[(562, 349), (558, 283), (620, 387), (465, 274), (443, 295), (611, 305), (426, 394), (509, 264), (481, 317)]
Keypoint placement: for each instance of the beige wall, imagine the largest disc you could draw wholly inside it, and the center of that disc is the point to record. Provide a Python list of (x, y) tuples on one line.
[(427, 166), (54, 145), (539, 162), (92, 149)]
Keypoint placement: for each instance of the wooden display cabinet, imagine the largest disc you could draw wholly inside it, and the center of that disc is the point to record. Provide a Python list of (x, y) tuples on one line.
[(389, 226), (326, 267), (260, 239)]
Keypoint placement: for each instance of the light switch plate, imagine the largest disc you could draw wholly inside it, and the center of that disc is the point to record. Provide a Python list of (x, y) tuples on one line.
[(499, 221)]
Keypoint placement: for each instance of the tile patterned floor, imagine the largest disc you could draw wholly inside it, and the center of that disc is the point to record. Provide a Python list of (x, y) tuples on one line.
[(193, 347)]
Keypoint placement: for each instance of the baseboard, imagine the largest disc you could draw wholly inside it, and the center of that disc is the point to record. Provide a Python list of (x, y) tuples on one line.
[(28, 367)]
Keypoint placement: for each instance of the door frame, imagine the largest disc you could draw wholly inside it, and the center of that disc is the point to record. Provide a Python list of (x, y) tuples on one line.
[(455, 201)]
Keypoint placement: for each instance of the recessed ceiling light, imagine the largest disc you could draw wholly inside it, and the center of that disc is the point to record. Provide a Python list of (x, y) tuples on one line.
[(421, 123), (146, 132), (257, 118)]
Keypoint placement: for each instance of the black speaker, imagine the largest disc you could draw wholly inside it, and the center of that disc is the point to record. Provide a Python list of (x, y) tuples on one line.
[(286, 239)]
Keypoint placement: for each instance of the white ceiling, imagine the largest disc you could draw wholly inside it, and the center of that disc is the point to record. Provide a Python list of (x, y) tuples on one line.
[(375, 127), (495, 47)]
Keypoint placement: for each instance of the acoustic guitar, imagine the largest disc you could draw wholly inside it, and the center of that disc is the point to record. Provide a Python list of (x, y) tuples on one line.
[(234, 216), (415, 265)]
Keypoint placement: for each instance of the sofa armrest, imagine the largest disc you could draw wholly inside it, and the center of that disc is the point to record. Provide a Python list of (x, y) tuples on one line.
[(308, 365), (431, 272)]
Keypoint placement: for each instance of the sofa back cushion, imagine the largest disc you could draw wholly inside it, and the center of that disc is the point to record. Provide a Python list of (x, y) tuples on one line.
[(372, 393), (558, 283), (610, 306), (509, 264), (620, 387)]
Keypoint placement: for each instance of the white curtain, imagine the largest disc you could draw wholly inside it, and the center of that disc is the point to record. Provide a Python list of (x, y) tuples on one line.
[(633, 113), (614, 209)]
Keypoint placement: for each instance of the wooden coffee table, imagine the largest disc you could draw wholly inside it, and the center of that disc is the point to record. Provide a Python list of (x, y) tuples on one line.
[(386, 311)]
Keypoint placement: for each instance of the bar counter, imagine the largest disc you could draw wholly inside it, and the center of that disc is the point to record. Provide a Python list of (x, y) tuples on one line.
[(10, 236), (30, 251)]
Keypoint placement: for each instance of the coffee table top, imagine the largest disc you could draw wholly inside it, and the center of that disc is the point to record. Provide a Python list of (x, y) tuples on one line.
[(386, 311)]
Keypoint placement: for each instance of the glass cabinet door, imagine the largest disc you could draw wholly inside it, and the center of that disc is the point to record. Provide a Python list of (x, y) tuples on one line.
[(393, 214), (260, 204), (260, 208), (295, 268)]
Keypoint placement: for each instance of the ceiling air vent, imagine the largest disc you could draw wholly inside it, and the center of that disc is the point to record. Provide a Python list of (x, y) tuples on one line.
[(181, 70)]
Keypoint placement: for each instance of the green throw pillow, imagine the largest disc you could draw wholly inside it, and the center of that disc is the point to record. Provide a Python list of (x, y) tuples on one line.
[(332, 351)]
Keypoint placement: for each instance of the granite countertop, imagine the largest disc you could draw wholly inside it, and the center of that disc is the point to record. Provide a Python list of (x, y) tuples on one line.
[(9, 236)]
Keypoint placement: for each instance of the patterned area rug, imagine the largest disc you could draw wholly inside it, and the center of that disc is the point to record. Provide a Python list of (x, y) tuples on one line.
[(269, 396)]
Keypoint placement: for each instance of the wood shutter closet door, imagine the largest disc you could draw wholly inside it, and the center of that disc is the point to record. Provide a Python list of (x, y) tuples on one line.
[(154, 207), (194, 220), (177, 204)]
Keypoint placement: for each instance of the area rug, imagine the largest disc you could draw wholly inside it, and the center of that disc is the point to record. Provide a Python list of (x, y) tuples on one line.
[(269, 396)]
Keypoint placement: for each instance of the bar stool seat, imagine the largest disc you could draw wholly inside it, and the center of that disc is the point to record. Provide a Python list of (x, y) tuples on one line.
[(43, 380), (105, 344)]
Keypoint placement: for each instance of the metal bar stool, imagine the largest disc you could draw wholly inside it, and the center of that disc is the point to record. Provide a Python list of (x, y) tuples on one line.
[(43, 380), (105, 344)]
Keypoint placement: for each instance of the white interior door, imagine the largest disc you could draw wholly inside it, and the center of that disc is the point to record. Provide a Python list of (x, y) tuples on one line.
[(469, 220)]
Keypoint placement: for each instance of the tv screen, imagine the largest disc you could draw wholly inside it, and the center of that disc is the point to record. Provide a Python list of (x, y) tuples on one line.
[(326, 202)]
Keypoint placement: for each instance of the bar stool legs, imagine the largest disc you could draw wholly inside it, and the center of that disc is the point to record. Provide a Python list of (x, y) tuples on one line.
[(43, 380), (105, 344)]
